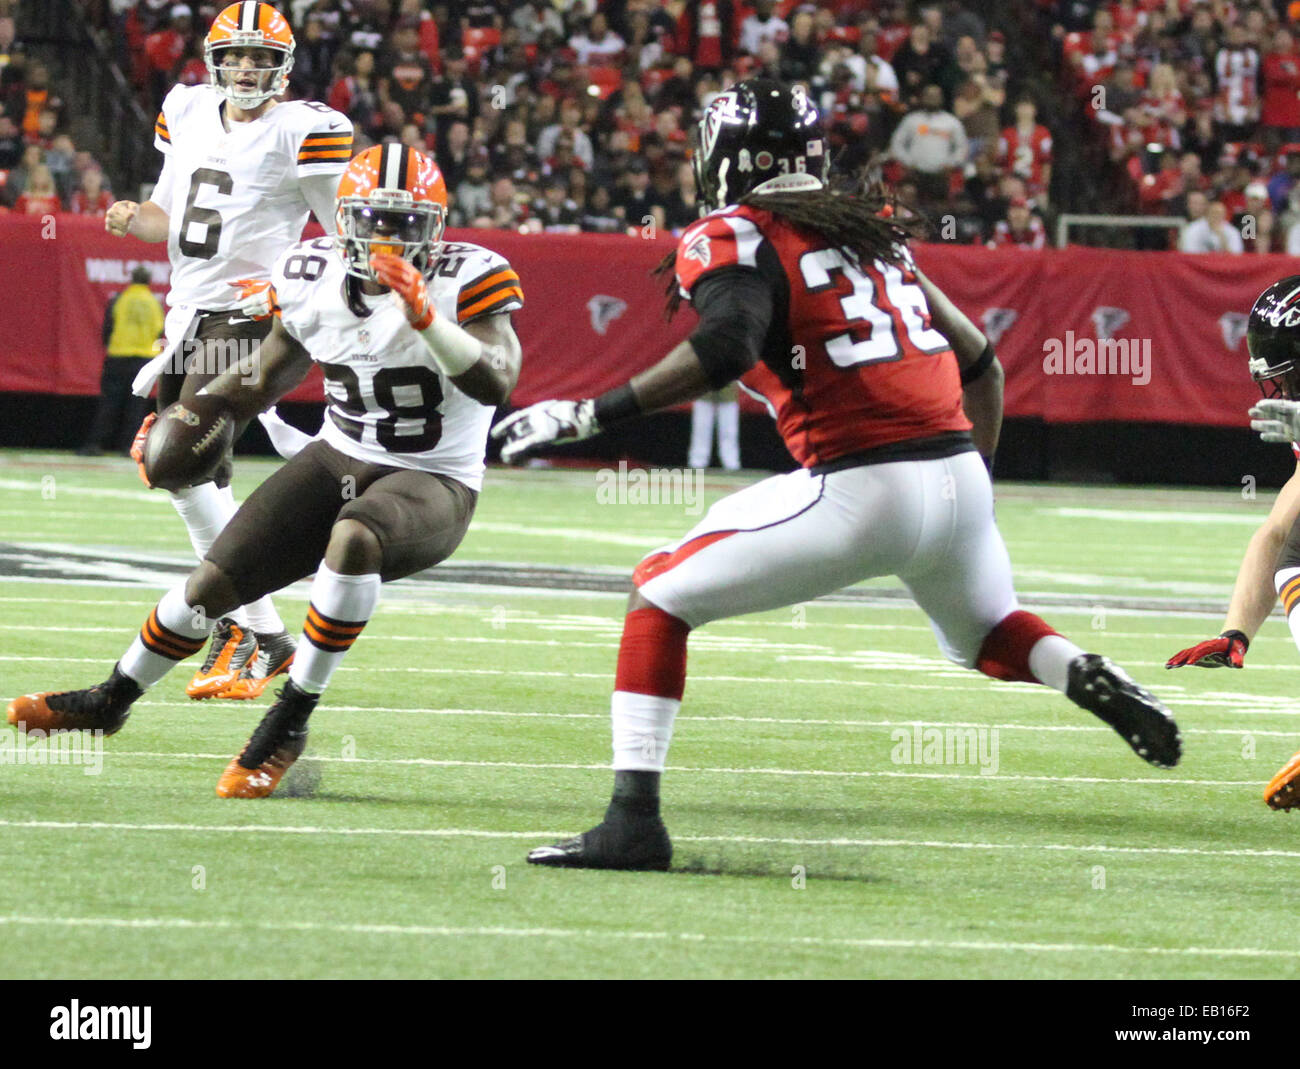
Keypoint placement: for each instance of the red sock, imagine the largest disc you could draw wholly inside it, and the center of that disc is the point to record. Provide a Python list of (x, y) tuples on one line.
[(1005, 652), (652, 655)]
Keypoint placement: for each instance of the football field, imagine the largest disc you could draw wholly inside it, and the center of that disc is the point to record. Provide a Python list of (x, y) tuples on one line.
[(843, 801)]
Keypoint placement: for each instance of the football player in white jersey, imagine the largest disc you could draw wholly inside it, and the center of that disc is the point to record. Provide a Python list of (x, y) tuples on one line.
[(416, 343), (241, 172)]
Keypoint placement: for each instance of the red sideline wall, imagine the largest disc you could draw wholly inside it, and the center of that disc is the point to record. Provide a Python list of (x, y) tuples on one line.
[(594, 316)]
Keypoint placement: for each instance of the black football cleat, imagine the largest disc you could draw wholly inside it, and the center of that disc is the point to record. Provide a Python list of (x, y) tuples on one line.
[(635, 845), (277, 742), (1138, 715), (103, 707)]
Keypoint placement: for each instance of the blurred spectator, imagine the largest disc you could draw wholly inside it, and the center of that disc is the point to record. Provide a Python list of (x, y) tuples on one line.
[(599, 45), (1236, 72), (708, 28), (531, 18), (921, 62), (682, 206), (800, 55), (37, 98), (92, 198), (355, 91), (1025, 149), (570, 119), (554, 212), (313, 61), (406, 77), (640, 203), (39, 196), (133, 323), (11, 143), (453, 94), (762, 25), (471, 201), (1213, 233), (930, 142), (600, 216), (1021, 228)]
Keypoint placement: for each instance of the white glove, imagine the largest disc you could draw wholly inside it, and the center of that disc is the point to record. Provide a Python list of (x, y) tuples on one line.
[(288, 441), (545, 423), (1276, 420)]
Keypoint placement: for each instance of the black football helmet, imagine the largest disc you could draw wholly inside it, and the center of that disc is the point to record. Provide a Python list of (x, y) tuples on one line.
[(1273, 339), (756, 131)]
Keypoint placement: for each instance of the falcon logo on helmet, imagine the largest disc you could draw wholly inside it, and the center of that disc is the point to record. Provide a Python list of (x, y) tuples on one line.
[(758, 127), (1273, 339), (391, 199), (249, 25)]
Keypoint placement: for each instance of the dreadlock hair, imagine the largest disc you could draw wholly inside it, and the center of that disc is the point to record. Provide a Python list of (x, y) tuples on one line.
[(866, 226)]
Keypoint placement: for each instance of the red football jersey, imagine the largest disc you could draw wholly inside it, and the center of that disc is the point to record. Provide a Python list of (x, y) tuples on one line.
[(851, 362), (1025, 156)]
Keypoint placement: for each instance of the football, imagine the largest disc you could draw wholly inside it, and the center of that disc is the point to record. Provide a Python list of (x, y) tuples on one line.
[(187, 442)]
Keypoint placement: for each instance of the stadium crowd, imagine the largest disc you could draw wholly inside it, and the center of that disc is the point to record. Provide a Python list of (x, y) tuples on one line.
[(569, 115), (1198, 107), (563, 116)]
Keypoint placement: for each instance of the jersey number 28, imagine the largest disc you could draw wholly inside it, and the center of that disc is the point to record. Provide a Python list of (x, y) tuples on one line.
[(406, 397)]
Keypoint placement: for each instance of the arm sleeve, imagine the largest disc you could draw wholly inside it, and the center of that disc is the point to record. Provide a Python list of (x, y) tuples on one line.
[(319, 191), (735, 308), (327, 148)]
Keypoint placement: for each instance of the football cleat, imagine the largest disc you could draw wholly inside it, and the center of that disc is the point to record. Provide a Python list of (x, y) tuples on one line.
[(103, 707), (230, 650), (1283, 790), (275, 745), (274, 655), (638, 845), (1142, 721)]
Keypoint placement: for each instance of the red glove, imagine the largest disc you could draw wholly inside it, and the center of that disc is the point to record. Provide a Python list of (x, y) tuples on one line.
[(1226, 651), (257, 298), (137, 446), (403, 279)]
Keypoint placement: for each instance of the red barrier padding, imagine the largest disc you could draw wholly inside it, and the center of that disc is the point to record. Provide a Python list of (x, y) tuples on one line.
[(1084, 334)]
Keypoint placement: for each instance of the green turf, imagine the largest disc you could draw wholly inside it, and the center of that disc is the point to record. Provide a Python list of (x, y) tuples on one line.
[(471, 723)]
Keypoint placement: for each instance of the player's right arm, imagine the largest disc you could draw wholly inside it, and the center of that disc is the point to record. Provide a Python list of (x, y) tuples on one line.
[(250, 386), (982, 376), (148, 221), (1253, 594)]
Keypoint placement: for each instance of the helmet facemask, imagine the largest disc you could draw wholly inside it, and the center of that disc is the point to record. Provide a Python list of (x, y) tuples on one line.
[(270, 72), (1280, 382), (388, 221)]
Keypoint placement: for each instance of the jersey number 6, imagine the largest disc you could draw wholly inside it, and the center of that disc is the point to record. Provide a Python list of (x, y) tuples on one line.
[(208, 218)]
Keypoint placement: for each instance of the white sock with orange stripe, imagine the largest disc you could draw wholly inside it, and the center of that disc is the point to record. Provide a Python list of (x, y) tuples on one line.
[(175, 630), (1287, 583), (340, 607)]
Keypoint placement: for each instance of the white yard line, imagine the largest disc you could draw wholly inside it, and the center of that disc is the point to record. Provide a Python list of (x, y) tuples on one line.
[(623, 935)]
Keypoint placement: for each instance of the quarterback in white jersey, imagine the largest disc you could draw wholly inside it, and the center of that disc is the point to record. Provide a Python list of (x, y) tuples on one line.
[(241, 173), (416, 341)]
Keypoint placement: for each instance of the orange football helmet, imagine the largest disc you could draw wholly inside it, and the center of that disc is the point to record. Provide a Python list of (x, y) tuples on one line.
[(251, 24), (391, 199)]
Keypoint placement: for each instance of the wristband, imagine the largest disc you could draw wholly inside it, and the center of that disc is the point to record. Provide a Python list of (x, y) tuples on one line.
[(980, 366), (1237, 636), (454, 350), (617, 405)]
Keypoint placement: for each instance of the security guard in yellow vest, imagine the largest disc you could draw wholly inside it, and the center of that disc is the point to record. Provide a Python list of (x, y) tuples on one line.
[(133, 323)]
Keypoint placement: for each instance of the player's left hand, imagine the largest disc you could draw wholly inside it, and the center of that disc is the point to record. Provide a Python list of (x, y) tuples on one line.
[(1276, 420), (1226, 651), (545, 423), (257, 298), (405, 280), (137, 446)]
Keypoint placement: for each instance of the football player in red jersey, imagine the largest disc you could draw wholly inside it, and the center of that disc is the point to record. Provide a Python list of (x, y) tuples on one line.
[(810, 298), (1271, 565)]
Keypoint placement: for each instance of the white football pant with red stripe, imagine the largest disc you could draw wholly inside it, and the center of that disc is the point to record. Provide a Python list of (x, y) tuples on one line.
[(797, 536)]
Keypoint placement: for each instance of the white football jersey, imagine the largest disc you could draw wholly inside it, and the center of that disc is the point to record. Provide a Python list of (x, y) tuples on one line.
[(235, 199), (388, 401)]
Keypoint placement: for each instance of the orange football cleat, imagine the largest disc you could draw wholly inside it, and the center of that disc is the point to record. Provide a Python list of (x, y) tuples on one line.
[(231, 650), (274, 657), (275, 745), (103, 707), (1283, 790)]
